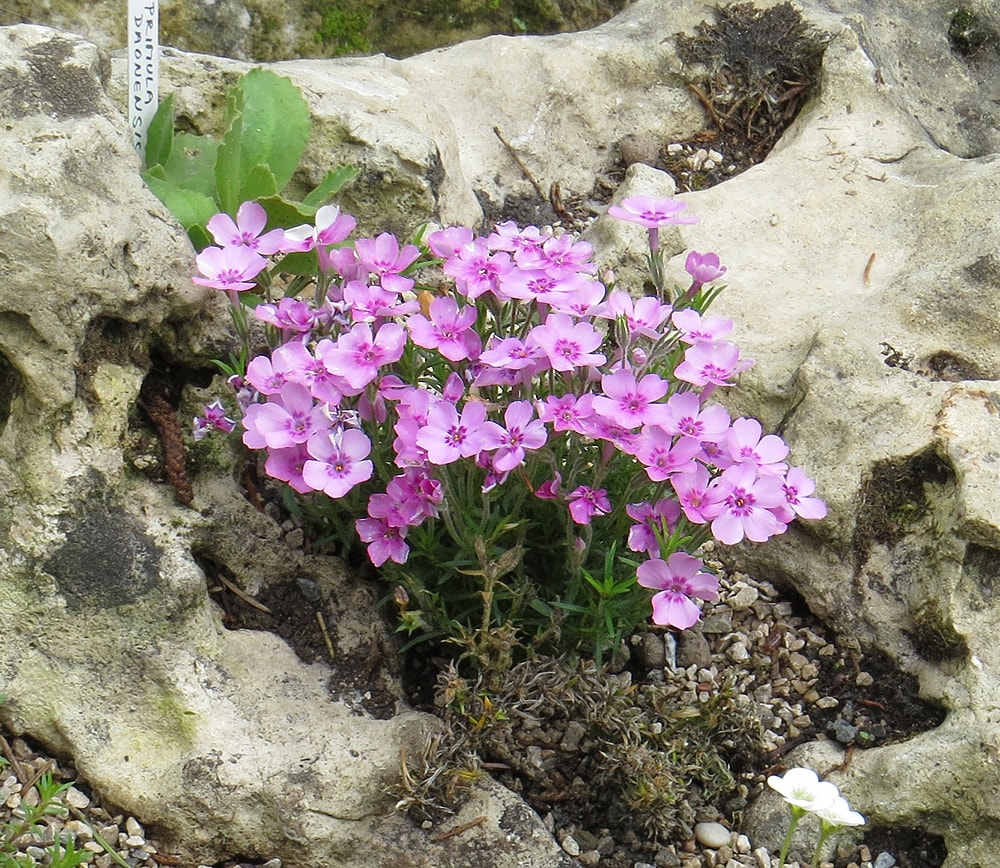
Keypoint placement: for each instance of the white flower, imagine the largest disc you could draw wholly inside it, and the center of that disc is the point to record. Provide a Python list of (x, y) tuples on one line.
[(840, 814), (803, 789)]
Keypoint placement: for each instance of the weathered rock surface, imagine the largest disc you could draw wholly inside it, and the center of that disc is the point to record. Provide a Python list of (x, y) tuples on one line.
[(280, 29), (863, 272), (111, 650)]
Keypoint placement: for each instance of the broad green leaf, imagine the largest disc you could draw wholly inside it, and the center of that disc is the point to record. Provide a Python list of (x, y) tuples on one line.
[(228, 180), (160, 135), (275, 125), (191, 164), (333, 182), (285, 214), (300, 263), (192, 209), (258, 184)]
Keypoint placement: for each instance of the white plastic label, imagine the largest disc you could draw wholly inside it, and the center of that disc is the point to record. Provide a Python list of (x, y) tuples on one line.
[(143, 68)]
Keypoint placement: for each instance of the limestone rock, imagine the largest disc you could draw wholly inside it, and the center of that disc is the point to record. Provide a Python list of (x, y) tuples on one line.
[(112, 650)]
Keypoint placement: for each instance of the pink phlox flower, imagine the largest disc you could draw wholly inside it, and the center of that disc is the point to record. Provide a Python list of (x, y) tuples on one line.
[(585, 502), (344, 261), (357, 356), (797, 488), (446, 243), (651, 212), (213, 418), (745, 444), (418, 492), (521, 242), (370, 303), (549, 490), (688, 417), (291, 315), (449, 436), (330, 227), (698, 500), (339, 461), (653, 521), (567, 412), (630, 403), (614, 435), (698, 329), (286, 465), (568, 344), (512, 353), (385, 542), (230, 268), (662, 455), (449, 330), (476, 270), (251, 218), (715, 364), (522, 432), (453, 388), (567, 254), (382, 255), (394, 511), (297, 364), (289, 417), (678, 579), (642, 316), (579, 301), (749, 505), (262, 375), (704, 267)]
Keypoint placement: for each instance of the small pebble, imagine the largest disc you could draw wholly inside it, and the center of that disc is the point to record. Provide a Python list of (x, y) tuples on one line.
[(884, 860), (571, 846), (712, 835), (75, 799)]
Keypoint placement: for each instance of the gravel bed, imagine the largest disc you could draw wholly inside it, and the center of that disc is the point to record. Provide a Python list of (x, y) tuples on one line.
[(790, 680)]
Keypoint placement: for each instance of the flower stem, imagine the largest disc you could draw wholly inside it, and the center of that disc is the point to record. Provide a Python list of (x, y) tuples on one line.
[(797, 814)]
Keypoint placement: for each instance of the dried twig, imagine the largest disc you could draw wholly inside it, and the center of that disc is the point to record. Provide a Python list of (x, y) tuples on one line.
[(520, 164)]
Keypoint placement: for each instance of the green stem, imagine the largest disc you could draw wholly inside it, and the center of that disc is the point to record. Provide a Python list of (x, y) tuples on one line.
[(797, 814)]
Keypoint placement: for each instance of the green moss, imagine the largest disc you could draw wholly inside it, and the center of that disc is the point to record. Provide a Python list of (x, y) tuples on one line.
[(969, 34), (896, 496)]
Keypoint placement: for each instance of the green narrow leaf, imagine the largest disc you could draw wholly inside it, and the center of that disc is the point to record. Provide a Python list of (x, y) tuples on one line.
[(160, 135), (276, 124), (333, 182)]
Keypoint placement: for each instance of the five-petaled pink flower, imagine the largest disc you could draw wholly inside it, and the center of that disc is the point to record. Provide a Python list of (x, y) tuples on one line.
[(449, 329), (338, 461), (586, 502), (568, 344), (651, 212), (251, 218), (677, 579), (231, 268)]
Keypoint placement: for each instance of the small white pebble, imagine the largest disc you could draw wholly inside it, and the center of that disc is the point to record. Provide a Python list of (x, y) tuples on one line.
[(711, 835), (134, 828), (75, 799), (742, 844), (864, 679), (827, 702), (571, 846)]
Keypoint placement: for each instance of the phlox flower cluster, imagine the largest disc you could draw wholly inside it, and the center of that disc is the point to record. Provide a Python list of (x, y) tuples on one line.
[(513, 364)]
